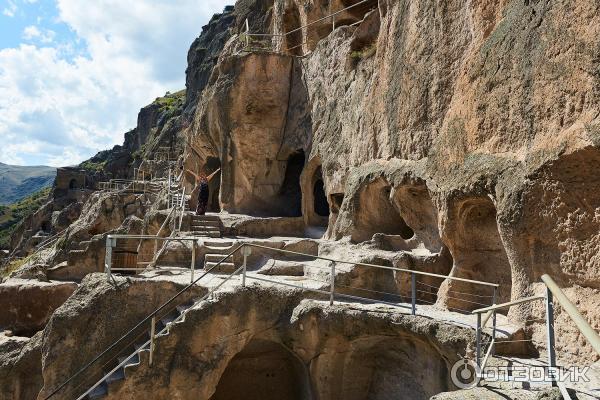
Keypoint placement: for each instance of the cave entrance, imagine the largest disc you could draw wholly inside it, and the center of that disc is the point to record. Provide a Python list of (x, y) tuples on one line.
[(320, 204), (291, 192), (214, 185), (479, 254), (392, 368), (73, 184), (291, 26), (264, 370), (46, 226), (376, 214)]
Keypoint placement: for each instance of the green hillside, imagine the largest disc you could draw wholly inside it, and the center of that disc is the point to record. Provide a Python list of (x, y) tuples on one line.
[(11, 215), (17, 182)]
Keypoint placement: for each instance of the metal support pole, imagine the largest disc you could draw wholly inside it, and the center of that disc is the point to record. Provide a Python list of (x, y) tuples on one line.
[(246, 251), (152, 334), (193, 266), (247, 34), (155, 249), (332, 18), (550, 332), (332, 284), (494, 300), (108, 258), (478, 343), (413, 295)]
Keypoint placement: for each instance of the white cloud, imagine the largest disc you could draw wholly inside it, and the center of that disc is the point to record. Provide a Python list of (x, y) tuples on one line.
[(58, 110), (32, 32), (11, 9)]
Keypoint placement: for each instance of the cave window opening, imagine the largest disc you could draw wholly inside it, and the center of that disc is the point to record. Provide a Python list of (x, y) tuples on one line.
[(291, 191), (378, 215), (336, 202), (320, 204)]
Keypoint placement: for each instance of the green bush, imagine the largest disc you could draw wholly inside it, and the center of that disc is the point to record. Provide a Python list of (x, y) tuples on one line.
[(14, 213)]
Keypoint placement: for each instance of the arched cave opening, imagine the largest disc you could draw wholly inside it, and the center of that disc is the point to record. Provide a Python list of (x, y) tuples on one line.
[(73, 184), (378, 368), (479, 254), (264, 370), (214, 185), (320, 204), (46, 226), (377, 214), (291, 192), (414, 204), (291, 26)]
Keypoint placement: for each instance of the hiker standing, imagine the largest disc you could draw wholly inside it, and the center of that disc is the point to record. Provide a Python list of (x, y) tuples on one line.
[(203, 191)]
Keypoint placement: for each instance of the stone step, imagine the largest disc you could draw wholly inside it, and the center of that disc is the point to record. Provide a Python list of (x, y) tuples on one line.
[(207, 223), (203, 232), (226, 267), (215, 243), (215, 258), (219, 250), (206, 217)]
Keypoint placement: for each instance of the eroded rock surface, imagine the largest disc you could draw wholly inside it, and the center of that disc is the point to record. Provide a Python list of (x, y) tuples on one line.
[(28, 304)]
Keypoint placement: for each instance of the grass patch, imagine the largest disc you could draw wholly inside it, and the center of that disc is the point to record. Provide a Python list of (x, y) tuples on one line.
[(171, 101), (12, 214), (93, 166)]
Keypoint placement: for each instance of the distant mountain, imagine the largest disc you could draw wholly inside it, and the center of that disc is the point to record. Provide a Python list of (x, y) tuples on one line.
[(17, 182)]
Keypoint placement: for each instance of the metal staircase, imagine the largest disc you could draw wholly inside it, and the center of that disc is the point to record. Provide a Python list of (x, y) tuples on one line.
[(138, 352)]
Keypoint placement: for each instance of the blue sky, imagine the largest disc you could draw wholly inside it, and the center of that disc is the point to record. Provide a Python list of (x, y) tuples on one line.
[(74, 73)]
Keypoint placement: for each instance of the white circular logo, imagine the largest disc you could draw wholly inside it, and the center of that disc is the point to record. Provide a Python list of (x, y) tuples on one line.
[(465, 374)]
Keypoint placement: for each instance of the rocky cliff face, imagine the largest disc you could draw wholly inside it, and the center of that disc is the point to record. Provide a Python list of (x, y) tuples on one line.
[(458, 138), (464, 128)]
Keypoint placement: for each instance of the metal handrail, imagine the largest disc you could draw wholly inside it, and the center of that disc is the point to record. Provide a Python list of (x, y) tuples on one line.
[(584, 327), (139, 325), (508, 304), (495, 285), (309, 24), (151, 317), (552, 291)]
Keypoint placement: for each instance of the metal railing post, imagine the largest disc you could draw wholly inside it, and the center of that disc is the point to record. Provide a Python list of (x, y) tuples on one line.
[(494, 300), (247, 34), (108, 257), (152, 334), (332, 284), (478, 341), (155, 248), (246, 251), (413, 295), (193, 266), (550, 333)]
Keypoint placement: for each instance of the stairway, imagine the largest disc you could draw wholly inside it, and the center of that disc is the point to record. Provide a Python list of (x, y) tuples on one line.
[(137, 353), (206, 225), (175, 200), (217, 250)]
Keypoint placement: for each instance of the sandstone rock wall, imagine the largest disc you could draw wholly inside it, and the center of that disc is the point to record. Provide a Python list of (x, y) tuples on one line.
[(469, 129)]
